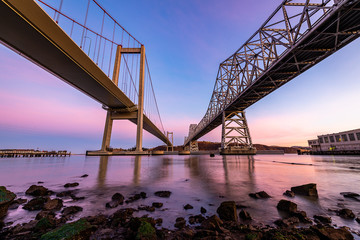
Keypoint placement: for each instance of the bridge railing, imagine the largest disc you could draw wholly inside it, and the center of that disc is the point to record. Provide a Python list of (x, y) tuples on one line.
[(98, 34), (285, 27)]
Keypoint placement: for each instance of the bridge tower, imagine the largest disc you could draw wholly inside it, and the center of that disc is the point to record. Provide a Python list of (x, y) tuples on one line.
[(127, 113), (236, 139)]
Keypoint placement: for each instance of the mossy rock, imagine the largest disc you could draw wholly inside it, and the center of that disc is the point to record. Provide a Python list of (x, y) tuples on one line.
[(44, 224), (79, 230), (253, 236), (146, 231), (6, 198)]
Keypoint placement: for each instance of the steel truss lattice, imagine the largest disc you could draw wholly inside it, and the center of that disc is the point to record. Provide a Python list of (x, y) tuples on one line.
[(235, 131), (296, 36)]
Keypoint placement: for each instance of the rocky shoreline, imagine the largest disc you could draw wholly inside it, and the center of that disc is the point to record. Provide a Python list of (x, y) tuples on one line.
[(54, 221)]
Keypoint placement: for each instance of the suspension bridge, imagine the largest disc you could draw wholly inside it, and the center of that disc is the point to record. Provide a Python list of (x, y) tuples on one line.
[(88, 49), (297, 35)]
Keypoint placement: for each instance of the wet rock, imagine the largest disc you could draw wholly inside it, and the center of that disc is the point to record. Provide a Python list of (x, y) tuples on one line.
[(80, 229), (53, 205), (17, 202), (332, 233), (45, 214), (306, 190), (259, 195), (322, 219), (84, 176), (157, 204), (289, 193), (188, 206), (134, 198), (358, 220), (75, 198), (227, 211), (44, 224), (164, 194), (40, 182), (74, 184), (72, 210), (143, 195), (206, 234), (146, 231), (36, 204), (121, 216), (2, 224), (302, 216), (346, 213), (117, 199), (240, 206), (67, 193), (98, 220), (351, 195), (24, 227), (212, 223), (287, 222), (180, 222), (159, 221), (37, 191), (287, 206), (244, 215), (203, 210), (146, 208), (212, 155)]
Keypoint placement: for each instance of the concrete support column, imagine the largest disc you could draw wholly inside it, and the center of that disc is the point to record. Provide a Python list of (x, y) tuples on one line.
[(109, 120), (140, 119)]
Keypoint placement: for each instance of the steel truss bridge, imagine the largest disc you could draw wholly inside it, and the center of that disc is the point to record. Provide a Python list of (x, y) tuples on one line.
[(297, 35), (82, 44)]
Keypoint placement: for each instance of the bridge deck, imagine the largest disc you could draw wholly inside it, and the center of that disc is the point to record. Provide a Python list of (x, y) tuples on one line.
[(28, 30), (328, 36)]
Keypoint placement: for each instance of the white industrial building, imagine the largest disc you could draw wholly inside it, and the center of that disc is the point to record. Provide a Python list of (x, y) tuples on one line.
[(346, 142)]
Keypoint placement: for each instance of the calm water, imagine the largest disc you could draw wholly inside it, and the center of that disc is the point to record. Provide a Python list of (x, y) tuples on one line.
[(197, 180)]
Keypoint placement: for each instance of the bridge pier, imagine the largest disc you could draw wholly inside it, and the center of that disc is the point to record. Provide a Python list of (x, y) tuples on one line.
[(127, 113), (236, 139)]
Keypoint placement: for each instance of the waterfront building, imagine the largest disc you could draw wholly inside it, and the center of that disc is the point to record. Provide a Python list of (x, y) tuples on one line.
[(348, 141)]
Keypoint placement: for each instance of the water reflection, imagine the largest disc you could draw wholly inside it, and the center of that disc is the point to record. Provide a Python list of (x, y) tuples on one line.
[(137, 169), (103, 165)]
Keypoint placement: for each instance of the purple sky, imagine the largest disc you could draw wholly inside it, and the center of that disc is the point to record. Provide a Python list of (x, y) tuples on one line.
[(185, 42)]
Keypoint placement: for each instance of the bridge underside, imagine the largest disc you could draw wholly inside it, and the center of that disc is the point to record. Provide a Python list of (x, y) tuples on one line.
[(331, 34), (28, 30)]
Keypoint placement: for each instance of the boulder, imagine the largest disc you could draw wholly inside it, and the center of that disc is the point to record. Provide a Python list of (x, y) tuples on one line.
[(37, 191), (351, 195), (17, 202), (287, 206), (227, 211), (121, 216), (146, 208), (259, 195), (212, 223), (36, 204), (118, 197), (6, 198), (322, 219), (244, 215), (80, 229), (157, 204), (97, 220), (164, 194), (203, 210), (332, 233), (188, 206), (146, 231), (45, 214), (287, 222), (289, 193), (53, 205), (72, 210), (159, 221), (302, 216), (180, 222), (346, 213), (306, 190), (143, 195), (74, 184)]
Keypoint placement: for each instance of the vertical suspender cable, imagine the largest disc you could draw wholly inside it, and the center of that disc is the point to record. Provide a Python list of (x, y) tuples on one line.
[(86, 15)]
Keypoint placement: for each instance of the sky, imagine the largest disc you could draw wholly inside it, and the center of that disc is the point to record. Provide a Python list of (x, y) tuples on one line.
[(185, 42)]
